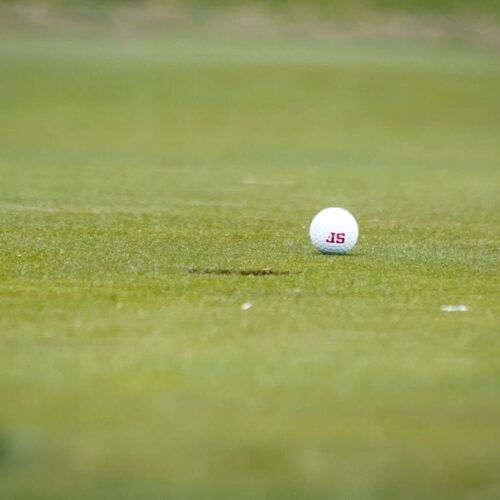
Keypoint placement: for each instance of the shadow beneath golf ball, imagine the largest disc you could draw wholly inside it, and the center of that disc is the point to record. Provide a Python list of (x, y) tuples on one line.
[(337, 255)]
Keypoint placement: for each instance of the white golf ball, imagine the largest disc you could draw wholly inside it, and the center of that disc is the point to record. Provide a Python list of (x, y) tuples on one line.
[(334, 230)]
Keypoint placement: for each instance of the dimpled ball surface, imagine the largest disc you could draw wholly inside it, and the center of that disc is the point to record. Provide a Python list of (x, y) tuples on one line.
[(334, 230)]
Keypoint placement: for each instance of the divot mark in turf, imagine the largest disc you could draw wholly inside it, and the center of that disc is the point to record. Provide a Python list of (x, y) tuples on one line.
[(240, 272)]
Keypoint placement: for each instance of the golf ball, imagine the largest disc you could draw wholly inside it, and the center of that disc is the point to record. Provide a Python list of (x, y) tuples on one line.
[(334, 230)]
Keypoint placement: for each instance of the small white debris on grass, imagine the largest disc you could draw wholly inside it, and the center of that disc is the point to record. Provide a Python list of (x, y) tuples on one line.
[(246, 306), (454, 308)]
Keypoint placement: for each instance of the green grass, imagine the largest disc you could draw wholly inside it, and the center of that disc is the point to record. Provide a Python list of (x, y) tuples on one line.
[(446, 7), (133, 170)]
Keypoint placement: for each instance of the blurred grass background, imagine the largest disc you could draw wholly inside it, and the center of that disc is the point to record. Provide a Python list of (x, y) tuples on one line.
[(444, 6), (437, 21), (333, 8)]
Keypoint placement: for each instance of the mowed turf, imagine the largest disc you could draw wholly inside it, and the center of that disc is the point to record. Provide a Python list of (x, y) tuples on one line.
[(144, 184)]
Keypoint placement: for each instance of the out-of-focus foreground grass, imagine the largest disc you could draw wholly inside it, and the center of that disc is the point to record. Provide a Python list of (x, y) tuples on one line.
[(144, 177)]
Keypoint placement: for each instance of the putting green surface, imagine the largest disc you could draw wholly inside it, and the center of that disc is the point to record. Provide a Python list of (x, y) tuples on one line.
[(145, 184)]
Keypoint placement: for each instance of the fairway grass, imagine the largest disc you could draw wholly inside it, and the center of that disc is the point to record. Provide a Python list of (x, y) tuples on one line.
[(150, 188)]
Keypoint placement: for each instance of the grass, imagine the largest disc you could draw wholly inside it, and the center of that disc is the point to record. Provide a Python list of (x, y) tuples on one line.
[(148, 185), (486, 7)]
